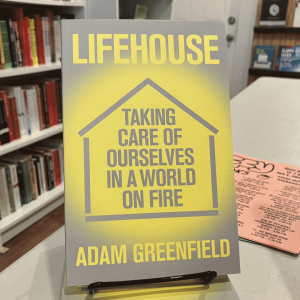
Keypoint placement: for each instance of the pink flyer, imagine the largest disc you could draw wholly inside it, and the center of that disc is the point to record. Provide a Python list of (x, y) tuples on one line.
[(268, 202)]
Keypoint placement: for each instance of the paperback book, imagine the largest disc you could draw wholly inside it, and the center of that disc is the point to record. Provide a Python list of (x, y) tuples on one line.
[(149, 182), (288, 59), (263, 57)]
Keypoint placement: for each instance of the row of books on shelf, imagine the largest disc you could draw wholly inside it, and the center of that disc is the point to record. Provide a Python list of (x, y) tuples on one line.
[(30, 40), (287, 60), (27, 109), (29, 173)]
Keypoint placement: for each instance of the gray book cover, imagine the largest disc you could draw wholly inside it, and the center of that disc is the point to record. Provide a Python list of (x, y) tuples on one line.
[(149, 182)]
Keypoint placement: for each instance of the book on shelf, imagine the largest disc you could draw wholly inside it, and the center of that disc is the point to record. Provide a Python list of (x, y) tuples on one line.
[(30, 38), (296, 21), (29, 108), (263, 57), (288, 59), (28, 173), (273, 13)]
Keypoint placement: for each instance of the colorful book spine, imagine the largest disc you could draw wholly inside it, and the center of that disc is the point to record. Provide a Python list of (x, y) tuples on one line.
[(12, 42), (40, 39), (33, 41), (8, 111), (5, 43)]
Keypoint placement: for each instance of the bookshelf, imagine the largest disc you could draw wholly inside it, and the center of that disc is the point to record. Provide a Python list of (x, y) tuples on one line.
[(13, 72), (30, 213)]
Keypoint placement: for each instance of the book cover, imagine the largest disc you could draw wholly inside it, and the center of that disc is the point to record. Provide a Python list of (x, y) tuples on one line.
[(273, 12), (149, 182), (288, 59), (263, 57)]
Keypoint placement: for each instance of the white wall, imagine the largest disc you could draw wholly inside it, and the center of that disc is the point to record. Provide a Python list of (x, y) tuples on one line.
[(246, 22)]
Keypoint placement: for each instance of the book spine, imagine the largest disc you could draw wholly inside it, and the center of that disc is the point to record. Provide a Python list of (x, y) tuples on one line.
[(57, 38), (56, 168), (46, 37), (3, 95), (3, 212), (59, 102), (60, 105), (12, 42), (5, 192), (28, 185), (49, 14), (21, 115), (33, 178), (28, 117), (15, 118), (19, 52), (33, 41), (45, 105), (37, 172), (4, 131), (21, 179), (6, 48), (23, 35), (2, 57), (54, 103), (44, 173), (50, 172), (40, 39), (50, 103), (15, 185), (40, 108), (29, 42), (10, 190)]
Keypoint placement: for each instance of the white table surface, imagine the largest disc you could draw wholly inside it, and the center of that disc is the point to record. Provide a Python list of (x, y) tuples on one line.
[(266, 125)]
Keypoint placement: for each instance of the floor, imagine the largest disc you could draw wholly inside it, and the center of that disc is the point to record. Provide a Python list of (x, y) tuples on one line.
[(32, 236)]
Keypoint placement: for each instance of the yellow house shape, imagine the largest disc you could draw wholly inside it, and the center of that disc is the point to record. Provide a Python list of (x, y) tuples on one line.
[(86, 147)]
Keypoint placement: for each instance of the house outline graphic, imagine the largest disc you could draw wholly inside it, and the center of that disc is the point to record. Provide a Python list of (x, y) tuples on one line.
[(86, 148)]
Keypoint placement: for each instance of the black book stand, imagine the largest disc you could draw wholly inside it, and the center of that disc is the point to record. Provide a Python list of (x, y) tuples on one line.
[(206, 278)]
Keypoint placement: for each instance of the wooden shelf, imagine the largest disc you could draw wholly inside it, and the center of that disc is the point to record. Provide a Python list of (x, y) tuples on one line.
[(38, 136), (30, 213), (276, 29), (29, 70), (46, 2), (271, 73)]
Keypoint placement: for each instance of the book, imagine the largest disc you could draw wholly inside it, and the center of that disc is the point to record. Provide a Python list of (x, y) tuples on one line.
[(23, 27), (20, 53), (46, 40), (40, 39), (4, 130), (49, 15), (9, 112), (4, 188), (273, 12), (15, 119), (5, 44), (296, 21), (3, 211), (12, 42), (57, 37), (33, 41), (9, 187), (147, 150), (17, 93), (263, 57), (2, 56), (33, 109), (288, 59)]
